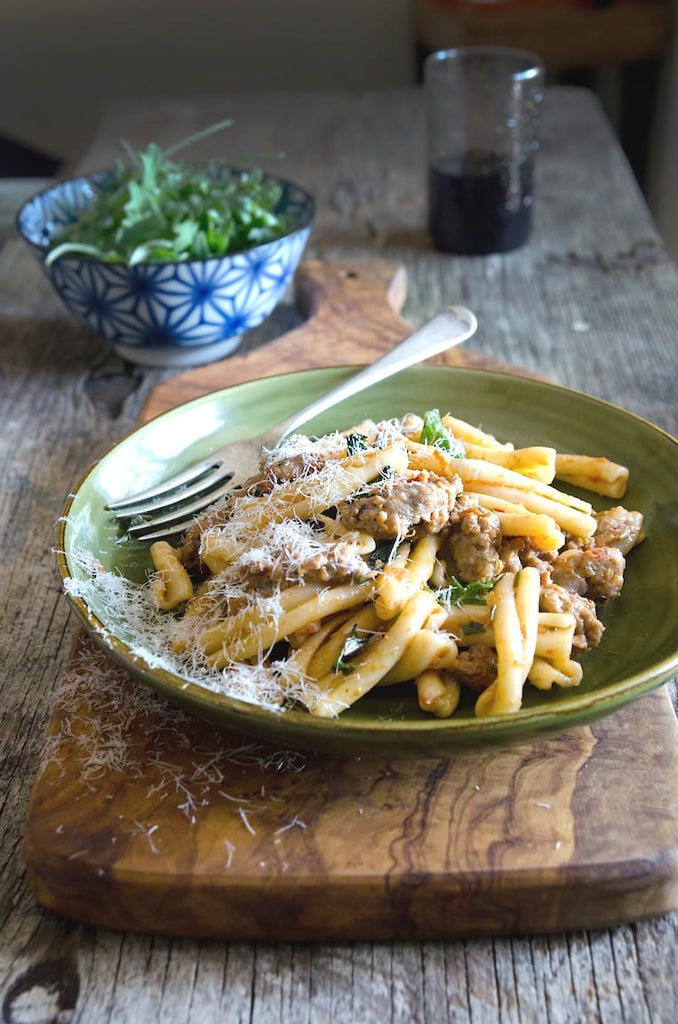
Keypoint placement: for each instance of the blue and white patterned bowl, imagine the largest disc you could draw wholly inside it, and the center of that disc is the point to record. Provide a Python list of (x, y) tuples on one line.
[(167, 314)]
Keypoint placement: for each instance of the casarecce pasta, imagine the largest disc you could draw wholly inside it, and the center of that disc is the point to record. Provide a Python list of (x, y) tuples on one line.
[(418, 552)]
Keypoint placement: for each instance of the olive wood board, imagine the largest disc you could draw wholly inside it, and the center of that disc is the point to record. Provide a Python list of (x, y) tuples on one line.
[(144, 817)]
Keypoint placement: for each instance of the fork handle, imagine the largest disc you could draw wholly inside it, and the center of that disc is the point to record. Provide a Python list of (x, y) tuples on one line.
[(451, 326)]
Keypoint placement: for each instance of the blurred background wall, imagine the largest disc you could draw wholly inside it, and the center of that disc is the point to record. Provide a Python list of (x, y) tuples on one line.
[(62, 60)]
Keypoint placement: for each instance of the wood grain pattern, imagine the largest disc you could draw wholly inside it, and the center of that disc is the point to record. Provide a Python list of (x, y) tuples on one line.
[(351, 316), (146, 818)]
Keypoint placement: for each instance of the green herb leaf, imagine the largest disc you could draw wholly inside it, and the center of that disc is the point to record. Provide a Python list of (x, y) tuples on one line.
[(352, 644), (356, 443), (472, 627), (382, 552), (457, 594), (155, 209), (434, 433)]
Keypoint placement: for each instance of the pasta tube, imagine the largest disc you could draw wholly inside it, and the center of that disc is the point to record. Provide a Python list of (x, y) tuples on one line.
[(356, 627), (427, 650), (438, 693), (369, 667), (593, 474), (171, 585), (262, 635), (543, 674), (467, 433), (515, 599), (537, 462), (404, 577)]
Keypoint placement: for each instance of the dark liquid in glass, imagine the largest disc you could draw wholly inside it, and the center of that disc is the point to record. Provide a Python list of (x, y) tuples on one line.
[(479, 204)]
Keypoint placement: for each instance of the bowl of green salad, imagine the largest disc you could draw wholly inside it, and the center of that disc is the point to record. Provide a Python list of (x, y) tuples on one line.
[(170, 262)]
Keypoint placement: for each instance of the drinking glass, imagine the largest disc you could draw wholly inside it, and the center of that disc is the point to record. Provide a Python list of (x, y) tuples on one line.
[(483, 107)]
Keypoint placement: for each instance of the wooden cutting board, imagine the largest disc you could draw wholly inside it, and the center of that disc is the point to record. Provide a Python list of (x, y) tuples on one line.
[(143, 817)]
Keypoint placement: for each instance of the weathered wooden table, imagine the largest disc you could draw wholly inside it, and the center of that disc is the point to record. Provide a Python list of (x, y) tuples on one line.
[(591, 302)]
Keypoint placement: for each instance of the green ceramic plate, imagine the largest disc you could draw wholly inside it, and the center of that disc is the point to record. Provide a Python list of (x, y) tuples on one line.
[(640, 645)]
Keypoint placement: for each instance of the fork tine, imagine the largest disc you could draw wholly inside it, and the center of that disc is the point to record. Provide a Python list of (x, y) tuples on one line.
[(163, 532), (197, 472), (179, 520), (149, 500)]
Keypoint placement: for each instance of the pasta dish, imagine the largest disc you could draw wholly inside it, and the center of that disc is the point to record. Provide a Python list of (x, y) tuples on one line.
[(420, 552)]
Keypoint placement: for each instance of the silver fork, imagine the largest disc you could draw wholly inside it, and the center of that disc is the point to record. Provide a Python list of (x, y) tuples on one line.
[(170, 507)]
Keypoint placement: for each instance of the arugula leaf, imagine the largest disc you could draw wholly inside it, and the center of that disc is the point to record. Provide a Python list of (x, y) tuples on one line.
[(155, 209), (434, 433), (457, 594)]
